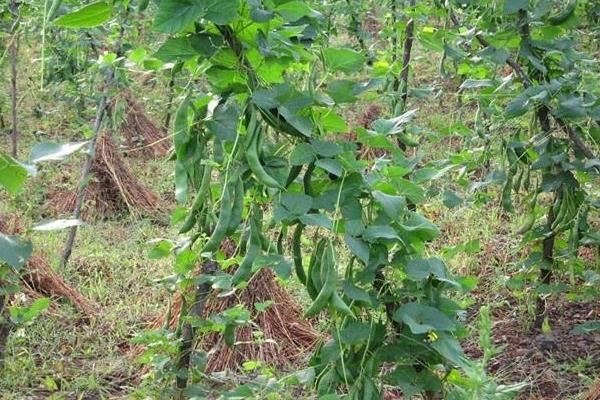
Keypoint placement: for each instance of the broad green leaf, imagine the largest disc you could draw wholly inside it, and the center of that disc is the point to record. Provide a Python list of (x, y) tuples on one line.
[(224, 121), (319, 219), (186, 47), (333, 123), (24, 315), (86, 17), (344, 90), (422, 319), (420, 268), (393, 126), (374, 232), (355, 332), (302, 154), (175, 15), (48, 151), (330, 165), (419, 227), (358, 247), (57, 224), (451, 199), (161, 249), (325, 148), (450, 349), (303, 124), (392, 205), (571, 107), (344, 60), (12, 174), (355, 293), (292, 205), (293, 10), (14, 250)]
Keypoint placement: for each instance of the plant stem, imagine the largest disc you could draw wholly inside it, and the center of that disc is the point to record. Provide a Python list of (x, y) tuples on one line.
[(188, 332), (5, 327), (167, 122), (14, 53)]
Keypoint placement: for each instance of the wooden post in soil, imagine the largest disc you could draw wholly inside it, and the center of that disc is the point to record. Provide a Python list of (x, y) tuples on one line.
[(85, 173), (13, 7)]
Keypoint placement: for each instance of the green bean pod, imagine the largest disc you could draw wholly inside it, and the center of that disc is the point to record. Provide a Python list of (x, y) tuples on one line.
[(328, 269), (297, 253), (222, 224), (256, 167), (238, 206), (252, 252), (198, 204)]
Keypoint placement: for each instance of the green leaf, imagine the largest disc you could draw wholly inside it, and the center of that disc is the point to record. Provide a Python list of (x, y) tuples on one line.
[(393, 126), (344, 60), (333, 123), (14, 250), (392, 205), (184, 48), (375, 232), (12, 173), (422, 319), (48, 151), (24, 315), (450, 349), (302, 154), (420, 268), (358, 247), (293, 10), (292, 206), (330, 165), (224, 121), (160, 250), (355, 293), (570, 107), (355, 332), (319, 219), (451, 199), (419, 227), (263, 306), (325, 148), (86, 17), (175, 15)]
